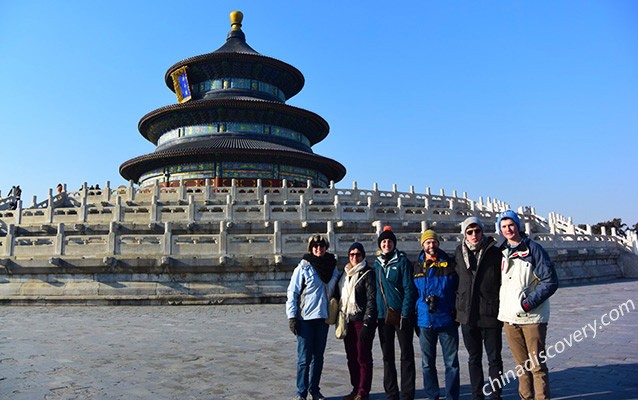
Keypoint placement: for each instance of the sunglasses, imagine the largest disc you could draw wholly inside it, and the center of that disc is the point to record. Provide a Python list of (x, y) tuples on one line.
[(356, 255), (471, 232), (318, 245)]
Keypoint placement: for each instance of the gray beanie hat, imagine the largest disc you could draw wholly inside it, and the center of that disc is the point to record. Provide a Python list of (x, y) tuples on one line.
[(471, 221)]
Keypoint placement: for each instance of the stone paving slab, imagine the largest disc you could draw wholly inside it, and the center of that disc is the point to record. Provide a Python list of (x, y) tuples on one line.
[(247, 352)]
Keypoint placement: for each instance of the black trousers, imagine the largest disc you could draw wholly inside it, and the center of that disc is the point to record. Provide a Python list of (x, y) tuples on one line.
[(405, 337), (474, 339)]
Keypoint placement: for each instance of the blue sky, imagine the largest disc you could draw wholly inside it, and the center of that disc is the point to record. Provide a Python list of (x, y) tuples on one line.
[(532, 103)]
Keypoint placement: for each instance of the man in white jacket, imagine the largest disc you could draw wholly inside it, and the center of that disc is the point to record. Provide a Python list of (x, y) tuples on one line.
[(528, 279)]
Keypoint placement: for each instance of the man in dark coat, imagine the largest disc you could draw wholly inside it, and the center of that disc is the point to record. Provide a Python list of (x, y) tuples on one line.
[(478, 265)]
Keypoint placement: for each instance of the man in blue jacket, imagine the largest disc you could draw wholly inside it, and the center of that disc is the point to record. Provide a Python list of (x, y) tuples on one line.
[(436, 282), (528, 279), (395, 297)]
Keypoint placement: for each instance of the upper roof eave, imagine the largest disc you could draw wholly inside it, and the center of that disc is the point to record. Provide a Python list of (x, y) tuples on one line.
[(320, 131), (290, 87)]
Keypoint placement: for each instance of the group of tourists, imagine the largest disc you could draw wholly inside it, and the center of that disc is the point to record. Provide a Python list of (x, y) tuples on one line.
[(485, 286)]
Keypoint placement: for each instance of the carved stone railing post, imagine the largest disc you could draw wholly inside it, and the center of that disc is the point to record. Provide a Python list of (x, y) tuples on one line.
[(112, 238), (107, 191), (168, 238), (59, 240), (18, 213), (229, 207), (259, 190), (284, 189), (181, 190), (303, 208), (191, 208), (266, 208), (233, 188), (82, 215), (9, 240), (117, 215), (571, 228), (332, 237), (338, 213), (207, 189), (131, 191), (277, 239), (378, 227), (49, 211), (154, 210), (223, 239)]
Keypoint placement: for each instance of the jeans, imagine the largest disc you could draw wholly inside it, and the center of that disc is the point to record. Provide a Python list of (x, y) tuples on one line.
[(386, 339), (475, 338), (449, 338), (359, 355), (526, 343), (311, 344)]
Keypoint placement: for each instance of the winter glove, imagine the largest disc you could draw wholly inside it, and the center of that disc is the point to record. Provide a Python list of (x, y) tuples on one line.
[(417, 330), (292, 324), (525, 306), (404, 324), (366, 333)]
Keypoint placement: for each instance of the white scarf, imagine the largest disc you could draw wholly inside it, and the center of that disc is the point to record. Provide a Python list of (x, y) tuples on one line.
[(348, 303)]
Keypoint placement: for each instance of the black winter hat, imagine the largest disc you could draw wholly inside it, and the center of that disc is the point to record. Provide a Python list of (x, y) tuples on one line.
[(358, 246), (387, 234)]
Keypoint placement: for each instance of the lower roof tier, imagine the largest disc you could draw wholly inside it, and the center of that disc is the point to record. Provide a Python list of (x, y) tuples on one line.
[(233, 158)]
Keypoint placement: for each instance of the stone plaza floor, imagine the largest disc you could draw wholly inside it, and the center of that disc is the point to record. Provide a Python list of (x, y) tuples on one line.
[(247, 352)]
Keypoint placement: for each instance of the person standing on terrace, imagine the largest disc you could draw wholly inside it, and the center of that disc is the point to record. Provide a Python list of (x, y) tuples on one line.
[(311, 287)]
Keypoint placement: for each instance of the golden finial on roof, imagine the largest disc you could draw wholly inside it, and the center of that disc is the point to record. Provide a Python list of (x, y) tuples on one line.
[(235, 20)]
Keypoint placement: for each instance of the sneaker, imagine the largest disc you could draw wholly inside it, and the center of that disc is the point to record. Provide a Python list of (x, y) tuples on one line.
[(299, 398), (351, 396), (318, 396)]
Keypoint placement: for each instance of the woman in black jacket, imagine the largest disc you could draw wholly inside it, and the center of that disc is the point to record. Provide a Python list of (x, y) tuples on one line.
[(357, 288), (478, 265)]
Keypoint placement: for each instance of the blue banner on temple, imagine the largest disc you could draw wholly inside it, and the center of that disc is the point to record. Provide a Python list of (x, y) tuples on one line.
[(183, 85)]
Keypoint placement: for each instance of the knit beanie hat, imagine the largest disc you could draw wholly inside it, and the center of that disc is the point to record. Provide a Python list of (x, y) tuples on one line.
[(429, 234), (471, 221), (508, 214), (387, 234), (358, 246)]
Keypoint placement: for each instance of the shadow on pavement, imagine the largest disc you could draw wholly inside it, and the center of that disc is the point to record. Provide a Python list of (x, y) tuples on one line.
[(606, 382)]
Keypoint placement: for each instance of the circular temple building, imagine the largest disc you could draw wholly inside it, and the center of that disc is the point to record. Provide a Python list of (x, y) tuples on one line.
[(232, 122)]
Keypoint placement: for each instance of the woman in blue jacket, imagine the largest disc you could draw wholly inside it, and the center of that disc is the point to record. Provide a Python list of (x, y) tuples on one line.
[(311, 286)]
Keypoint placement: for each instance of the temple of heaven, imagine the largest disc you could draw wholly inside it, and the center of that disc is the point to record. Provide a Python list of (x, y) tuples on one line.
[(232, 122), (221, 211)]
